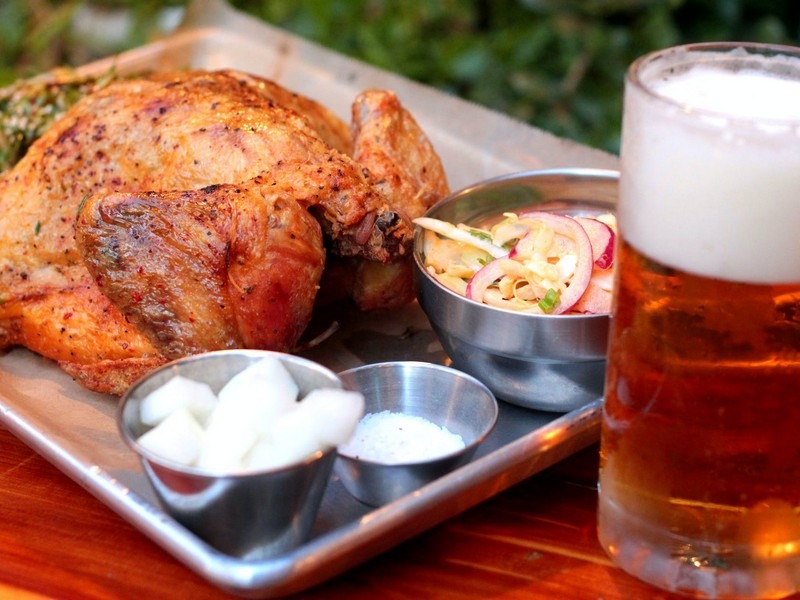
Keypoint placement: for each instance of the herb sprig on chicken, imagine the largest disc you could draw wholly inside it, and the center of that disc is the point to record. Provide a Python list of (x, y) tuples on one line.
[(29, 106)]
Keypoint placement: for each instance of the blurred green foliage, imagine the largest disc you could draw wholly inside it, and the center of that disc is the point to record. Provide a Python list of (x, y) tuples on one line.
[(556, 64)]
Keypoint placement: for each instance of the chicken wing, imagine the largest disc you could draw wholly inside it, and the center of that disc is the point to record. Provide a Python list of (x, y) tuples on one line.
[(404, 167), (402, 162)]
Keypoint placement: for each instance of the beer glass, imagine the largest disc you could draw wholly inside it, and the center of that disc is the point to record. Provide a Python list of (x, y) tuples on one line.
[(700, 451)]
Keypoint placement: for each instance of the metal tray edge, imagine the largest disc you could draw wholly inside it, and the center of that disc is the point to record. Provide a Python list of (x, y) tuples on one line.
[(335, 552)]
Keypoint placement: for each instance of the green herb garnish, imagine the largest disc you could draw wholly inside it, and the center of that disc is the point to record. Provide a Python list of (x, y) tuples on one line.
[(549, 301), (82, 203), (481, 235), (511, 243), (28, 107)]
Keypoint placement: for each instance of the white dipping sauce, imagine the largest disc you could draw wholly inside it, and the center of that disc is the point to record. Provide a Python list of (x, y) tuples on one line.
[(394, 438)]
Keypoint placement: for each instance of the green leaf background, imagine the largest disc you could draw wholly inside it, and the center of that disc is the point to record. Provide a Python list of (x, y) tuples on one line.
[(556, 64)]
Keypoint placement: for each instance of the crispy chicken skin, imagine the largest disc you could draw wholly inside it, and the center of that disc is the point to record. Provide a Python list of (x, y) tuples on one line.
[(171, 175), (226, 266), (329, 127), (401, 160), (405, 168)]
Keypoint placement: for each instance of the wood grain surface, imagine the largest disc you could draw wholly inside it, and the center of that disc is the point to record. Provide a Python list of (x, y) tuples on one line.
[(536, 540)]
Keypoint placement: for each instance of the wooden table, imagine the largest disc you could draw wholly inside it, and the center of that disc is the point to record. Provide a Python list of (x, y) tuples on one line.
[(537, 540)]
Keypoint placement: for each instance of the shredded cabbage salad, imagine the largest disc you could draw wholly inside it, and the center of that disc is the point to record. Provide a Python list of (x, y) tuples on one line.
[(534, 261)]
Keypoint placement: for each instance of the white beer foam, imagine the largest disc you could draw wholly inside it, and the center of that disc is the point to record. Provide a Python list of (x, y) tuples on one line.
[(747, 94), (720, 195)]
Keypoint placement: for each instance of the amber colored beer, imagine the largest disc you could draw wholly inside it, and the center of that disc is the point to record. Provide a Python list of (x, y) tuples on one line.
[(700, 462), (700, 451)]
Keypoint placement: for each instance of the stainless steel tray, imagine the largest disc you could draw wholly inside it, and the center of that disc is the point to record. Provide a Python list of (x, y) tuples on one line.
[(76, 431)]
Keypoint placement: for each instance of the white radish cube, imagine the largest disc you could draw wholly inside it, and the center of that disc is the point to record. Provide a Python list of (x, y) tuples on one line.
[(229, 436), (332, 413), (261, 393), (267, 377), (264, 455), (293, 438), (178, 392), (178, 438), (257, 411)]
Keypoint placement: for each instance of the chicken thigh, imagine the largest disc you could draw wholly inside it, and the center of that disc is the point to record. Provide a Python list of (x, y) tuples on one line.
[(227, 266)]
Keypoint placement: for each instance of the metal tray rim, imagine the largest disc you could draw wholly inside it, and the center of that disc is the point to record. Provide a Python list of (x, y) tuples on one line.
[(342, 548)]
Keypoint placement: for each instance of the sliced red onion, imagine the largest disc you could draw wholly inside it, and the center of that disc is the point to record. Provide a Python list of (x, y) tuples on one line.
[(486, 276), (601, 237), (569, 227), (595, 300), (597, 297), (523, 248)]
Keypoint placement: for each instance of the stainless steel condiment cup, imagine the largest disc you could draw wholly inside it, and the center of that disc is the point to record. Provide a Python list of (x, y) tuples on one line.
[(444, 396), (249, 514), (545, 362)]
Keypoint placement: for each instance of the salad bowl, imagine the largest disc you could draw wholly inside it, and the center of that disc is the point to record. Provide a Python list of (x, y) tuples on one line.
[(550, 362)]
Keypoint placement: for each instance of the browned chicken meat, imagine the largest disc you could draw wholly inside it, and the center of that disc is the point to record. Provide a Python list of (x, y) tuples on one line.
[(405, 168), (228, 266), (191, 187)]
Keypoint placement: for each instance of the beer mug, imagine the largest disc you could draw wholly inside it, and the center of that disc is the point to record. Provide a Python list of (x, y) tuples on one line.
[(700, 451)]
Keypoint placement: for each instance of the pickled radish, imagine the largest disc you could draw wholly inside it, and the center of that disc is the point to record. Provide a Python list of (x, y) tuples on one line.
[(178, 437), (255, 422), (196, 397), (602, 238), (265, 374), (227, 439), (552, 263), (333, 413)]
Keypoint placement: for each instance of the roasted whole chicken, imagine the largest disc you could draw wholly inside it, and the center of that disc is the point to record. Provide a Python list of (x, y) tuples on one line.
[(184, 212)]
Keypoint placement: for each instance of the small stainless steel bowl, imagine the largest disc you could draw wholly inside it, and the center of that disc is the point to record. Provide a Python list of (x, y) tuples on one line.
[(252, 514), (544, 362), (444, 396)]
